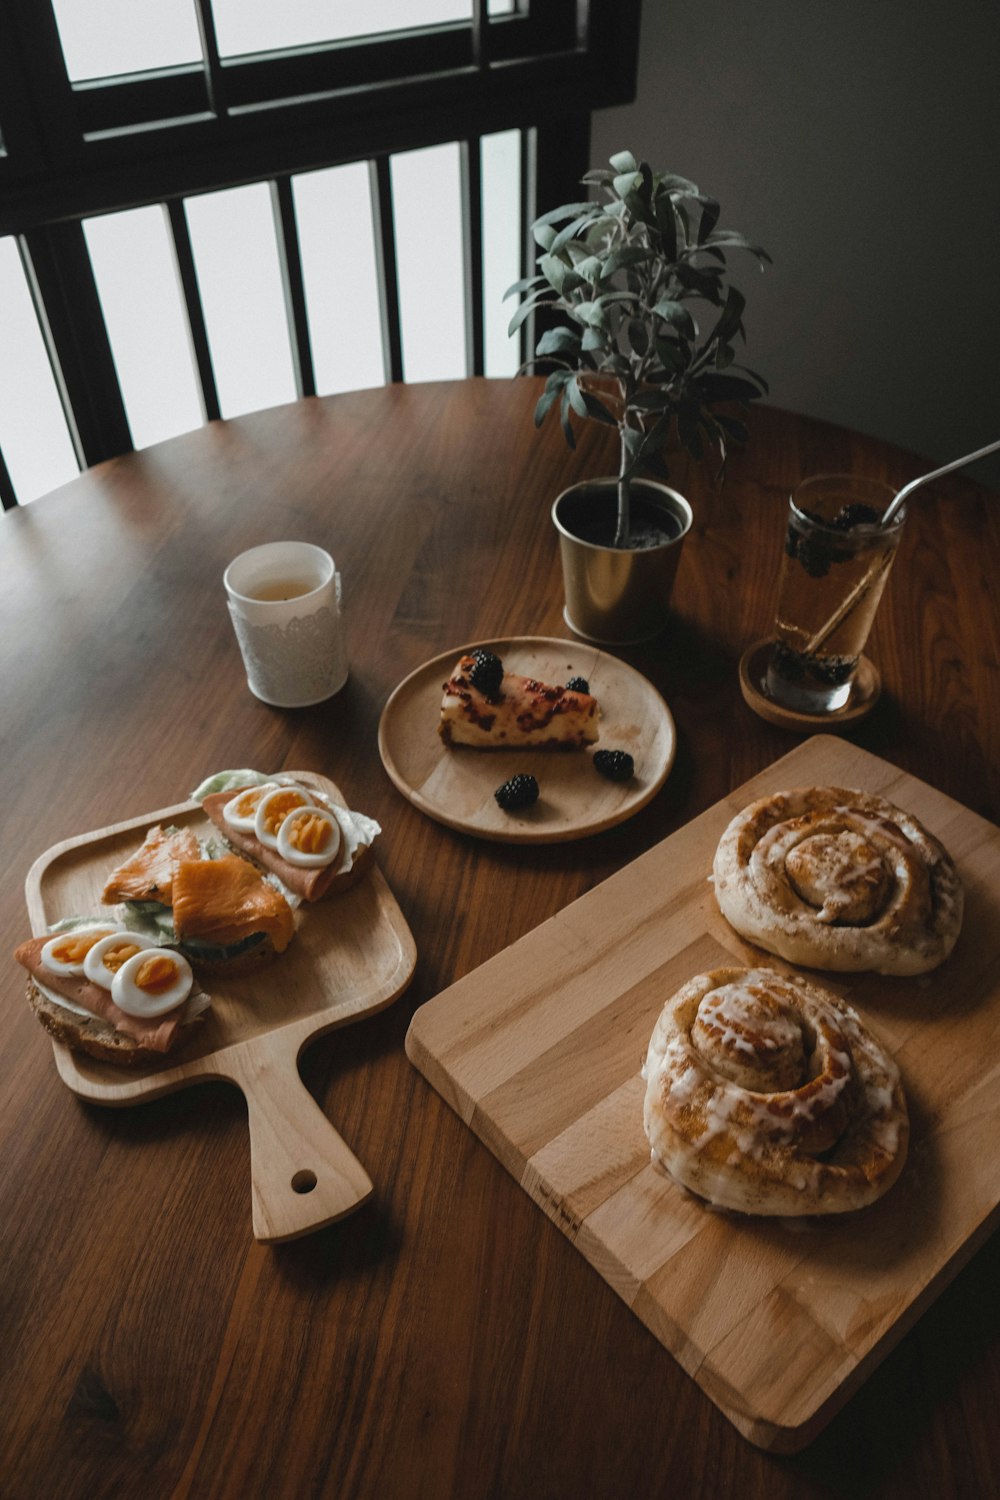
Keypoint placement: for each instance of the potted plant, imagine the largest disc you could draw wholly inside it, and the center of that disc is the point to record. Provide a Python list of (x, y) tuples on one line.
[(646, 344)]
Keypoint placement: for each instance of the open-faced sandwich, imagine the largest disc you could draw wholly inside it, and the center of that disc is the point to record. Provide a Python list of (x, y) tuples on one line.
[(222, 914), (311, 844), (111, 993)]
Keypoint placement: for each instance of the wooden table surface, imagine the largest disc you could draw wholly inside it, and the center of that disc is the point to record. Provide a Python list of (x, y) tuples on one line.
[(446, 1340)]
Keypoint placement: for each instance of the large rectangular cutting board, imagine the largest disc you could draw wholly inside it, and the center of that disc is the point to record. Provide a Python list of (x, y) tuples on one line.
[(539, 1052)]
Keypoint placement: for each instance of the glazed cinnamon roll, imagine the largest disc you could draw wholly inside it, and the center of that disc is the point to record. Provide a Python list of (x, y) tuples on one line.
[(838, 879), (767, 1094)]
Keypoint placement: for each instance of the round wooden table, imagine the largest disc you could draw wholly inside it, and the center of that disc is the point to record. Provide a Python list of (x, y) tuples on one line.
[(446, 1340)]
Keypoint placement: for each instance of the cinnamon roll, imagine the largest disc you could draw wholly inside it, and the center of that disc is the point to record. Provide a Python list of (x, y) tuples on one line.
[(838, 879), (767, 1094)]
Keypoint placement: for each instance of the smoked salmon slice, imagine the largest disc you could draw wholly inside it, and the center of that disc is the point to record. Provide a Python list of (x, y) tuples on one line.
[(224, 900), (148, 874)]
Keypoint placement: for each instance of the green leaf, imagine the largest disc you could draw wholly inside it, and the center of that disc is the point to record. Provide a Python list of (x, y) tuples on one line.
[(703, 280), (594, 339), (592, 314), (627, 183), (709, 218), (521, 286), (638, 336), (526, 307), (587, 405), (624, 161), (567, 234), (666, 223), (554, 270), (544, 234), (628, 255), (673, 356), (545, 401), (566, 211), (558, 379), (589, 268), (558, 341), (651, 400), (687, 428), (731, 317), (739, 242), (675, 184), (677, 315), (600, 176), (567, 426)]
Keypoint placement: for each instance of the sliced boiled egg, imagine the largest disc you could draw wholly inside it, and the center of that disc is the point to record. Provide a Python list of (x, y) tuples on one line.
[(273, 809), (310, 837), (65, 953), (241, 810), (110, 953), (152, 982)]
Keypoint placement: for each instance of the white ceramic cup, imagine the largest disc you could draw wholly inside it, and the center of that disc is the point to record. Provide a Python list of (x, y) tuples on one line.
[(284, 599)]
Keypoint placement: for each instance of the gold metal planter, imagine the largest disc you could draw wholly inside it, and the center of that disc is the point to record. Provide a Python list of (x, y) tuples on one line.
[(616, 596)]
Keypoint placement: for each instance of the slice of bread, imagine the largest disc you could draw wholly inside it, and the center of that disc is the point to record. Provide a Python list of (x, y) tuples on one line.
[(97, 1038)]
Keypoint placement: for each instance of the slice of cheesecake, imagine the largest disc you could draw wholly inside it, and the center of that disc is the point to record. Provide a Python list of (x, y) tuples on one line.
[(492, 709)]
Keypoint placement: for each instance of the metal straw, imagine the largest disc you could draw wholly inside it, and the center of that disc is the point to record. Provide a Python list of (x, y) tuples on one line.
[(908, 489)]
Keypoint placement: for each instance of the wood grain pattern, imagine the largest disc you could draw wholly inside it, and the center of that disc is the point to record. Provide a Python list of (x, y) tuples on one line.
[(456, 786), (447, 1340), (352, 955), (539, 1051)]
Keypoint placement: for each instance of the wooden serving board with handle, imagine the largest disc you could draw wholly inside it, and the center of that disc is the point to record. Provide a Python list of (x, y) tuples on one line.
[(352, 954), (540, 1051)]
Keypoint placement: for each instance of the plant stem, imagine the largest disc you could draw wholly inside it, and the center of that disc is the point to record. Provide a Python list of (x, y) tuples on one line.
[(624, 483)]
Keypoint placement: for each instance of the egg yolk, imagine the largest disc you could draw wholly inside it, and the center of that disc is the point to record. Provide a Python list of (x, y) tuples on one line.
[(245, 804), (74, 948), (310, 834), (114, 957), (156, 974), (279, 808)]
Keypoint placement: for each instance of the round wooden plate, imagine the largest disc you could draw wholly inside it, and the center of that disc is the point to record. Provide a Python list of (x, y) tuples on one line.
[(456, 787)]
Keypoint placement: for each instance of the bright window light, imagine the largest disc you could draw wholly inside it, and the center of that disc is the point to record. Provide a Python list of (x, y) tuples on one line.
[(427, 213), (239, 275), (33, 433), (501, 166), (103, 37), (261, 26), (337, 245), (136, 275)]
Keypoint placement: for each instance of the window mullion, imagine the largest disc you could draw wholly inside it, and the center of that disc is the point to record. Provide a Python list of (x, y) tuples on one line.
[(290, 260), (385, 262), (472, 250), (68, 305), (197, 330), (8, 496), (210, 53)]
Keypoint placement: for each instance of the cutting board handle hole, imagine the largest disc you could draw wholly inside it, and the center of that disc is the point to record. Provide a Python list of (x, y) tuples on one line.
[(304, 1182)]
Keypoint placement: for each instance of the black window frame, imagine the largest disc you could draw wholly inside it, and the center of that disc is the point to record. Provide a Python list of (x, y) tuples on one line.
[(74, 150)]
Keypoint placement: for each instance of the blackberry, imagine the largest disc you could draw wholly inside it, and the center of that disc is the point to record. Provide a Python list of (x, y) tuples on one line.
[(578, 685), (850, 516), (487, 674), (616, 765), (519, 791)]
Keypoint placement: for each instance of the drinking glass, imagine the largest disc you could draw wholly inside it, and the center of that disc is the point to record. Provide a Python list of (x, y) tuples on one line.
[(835, 565)]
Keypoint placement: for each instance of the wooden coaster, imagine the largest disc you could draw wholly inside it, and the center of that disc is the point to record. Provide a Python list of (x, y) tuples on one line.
[(866, 690)]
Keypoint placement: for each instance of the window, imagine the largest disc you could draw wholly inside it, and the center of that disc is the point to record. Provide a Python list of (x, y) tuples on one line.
[(120, 156)]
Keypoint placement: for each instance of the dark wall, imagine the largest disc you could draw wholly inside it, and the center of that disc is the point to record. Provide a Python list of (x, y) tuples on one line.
[(859, 142)]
